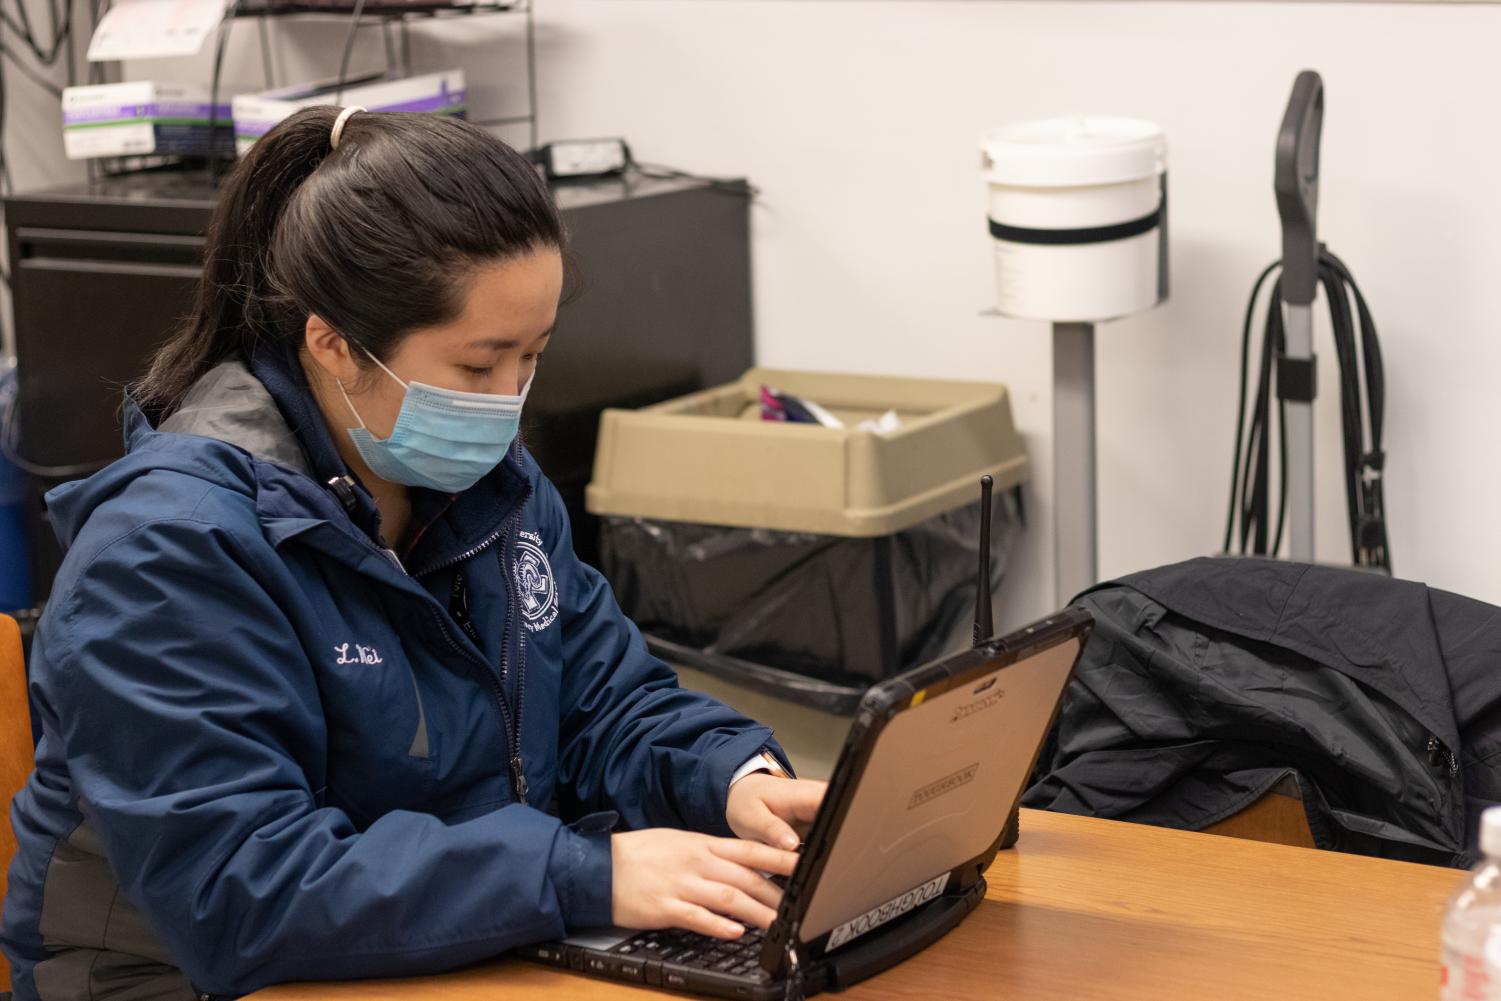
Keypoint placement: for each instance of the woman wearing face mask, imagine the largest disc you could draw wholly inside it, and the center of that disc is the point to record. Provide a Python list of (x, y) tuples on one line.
[(324, 691)]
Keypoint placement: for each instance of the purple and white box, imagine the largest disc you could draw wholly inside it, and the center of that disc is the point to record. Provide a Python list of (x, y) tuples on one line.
[(441, 93), (141, 118)]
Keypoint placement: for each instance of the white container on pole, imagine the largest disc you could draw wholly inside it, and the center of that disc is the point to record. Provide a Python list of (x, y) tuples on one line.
[(1078, 218)]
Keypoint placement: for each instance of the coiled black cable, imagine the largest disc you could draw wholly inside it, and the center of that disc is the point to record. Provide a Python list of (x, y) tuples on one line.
[(1248, 525)]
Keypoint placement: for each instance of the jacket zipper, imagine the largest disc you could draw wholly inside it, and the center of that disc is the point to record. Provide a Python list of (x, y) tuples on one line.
[(519, 787), (518, 770), (498, 692), (1440, 755), (481, 547)]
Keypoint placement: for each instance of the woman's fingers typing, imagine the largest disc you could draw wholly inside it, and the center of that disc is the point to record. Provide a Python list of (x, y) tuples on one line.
[(733, 902), (757, 886), (699, 919), (772, 809), (665, 878), (754, 855)]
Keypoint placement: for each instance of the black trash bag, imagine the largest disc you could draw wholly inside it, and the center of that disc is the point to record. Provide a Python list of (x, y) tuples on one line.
[(845, 611)]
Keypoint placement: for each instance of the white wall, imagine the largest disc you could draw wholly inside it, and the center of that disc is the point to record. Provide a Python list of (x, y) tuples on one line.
[(859, 121)]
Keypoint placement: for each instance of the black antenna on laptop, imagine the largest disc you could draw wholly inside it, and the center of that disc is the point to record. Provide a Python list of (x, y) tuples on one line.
[(983, 627)]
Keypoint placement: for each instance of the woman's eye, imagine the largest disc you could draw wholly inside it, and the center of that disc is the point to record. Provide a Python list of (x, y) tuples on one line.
[(473, 370)]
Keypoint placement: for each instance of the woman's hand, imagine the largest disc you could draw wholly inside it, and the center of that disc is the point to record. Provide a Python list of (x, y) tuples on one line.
[(677, 879), (773, 810)]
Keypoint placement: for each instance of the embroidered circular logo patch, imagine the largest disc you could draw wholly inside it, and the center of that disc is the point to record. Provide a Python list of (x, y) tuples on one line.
[(534, 581)]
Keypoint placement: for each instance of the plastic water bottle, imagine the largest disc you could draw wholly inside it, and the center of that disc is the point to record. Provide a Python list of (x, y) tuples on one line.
[(1472, 925)]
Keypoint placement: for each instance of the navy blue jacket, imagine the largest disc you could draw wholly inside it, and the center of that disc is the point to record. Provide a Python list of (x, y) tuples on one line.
[(273, 751)]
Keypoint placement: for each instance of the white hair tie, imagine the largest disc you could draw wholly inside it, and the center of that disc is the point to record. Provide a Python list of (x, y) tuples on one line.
[(344, 117)]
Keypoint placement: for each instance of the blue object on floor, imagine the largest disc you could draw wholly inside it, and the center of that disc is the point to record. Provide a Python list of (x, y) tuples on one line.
[(15, 563)]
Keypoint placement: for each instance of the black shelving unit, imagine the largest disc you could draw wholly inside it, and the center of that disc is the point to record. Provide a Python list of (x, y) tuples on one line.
[(382, 8), (394, 18), (394, 13)]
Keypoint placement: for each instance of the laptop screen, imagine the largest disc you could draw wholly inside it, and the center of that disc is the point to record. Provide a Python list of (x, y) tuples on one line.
[(935, 792)]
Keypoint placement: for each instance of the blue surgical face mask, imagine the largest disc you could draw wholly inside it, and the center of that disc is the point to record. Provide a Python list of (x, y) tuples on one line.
[(443, 439)]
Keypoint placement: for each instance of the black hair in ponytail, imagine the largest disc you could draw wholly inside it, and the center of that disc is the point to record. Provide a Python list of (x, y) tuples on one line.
[(378, 237)]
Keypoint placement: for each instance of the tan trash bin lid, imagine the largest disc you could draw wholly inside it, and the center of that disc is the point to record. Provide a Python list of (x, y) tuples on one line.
[(709, 459)]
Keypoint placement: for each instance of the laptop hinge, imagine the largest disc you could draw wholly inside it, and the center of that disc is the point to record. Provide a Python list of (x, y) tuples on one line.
[(792, 989), (889, 946)]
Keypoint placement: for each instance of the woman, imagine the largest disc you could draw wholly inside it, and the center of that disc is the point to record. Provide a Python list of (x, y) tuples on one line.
[(324, 690)]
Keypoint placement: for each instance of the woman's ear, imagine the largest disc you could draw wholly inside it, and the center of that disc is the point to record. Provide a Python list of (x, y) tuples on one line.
[(329, 350)]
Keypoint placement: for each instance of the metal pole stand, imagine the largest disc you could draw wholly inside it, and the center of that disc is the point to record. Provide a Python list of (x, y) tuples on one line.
[(1297, 386), (1074, 529)]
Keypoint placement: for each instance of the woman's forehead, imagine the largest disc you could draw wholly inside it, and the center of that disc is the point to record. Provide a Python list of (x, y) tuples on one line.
[(507, 304)]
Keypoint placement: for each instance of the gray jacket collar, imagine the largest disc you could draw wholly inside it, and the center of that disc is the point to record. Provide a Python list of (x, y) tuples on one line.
[(232, 405)]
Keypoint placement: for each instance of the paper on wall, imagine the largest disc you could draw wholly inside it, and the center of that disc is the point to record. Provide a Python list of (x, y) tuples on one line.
[(153, 29)]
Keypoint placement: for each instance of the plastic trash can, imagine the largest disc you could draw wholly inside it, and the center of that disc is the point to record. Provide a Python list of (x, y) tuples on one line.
[(808, 562)]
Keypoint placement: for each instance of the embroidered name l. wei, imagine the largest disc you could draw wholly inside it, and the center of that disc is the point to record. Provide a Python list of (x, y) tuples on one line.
[(361, 655)]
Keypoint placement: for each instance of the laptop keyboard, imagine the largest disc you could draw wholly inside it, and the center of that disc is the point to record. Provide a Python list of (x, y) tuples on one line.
[(738, 958)]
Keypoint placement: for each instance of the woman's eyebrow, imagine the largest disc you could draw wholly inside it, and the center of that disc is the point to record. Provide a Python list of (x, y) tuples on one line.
[(505, 343)]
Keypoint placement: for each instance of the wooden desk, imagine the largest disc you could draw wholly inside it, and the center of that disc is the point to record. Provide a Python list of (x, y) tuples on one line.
[(1102, 910)]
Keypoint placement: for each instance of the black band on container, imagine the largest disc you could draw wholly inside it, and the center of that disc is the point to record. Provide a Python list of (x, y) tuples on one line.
[(1071, 237)]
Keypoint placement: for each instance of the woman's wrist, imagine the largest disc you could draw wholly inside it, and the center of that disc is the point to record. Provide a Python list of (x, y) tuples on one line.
[(764, 761)]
